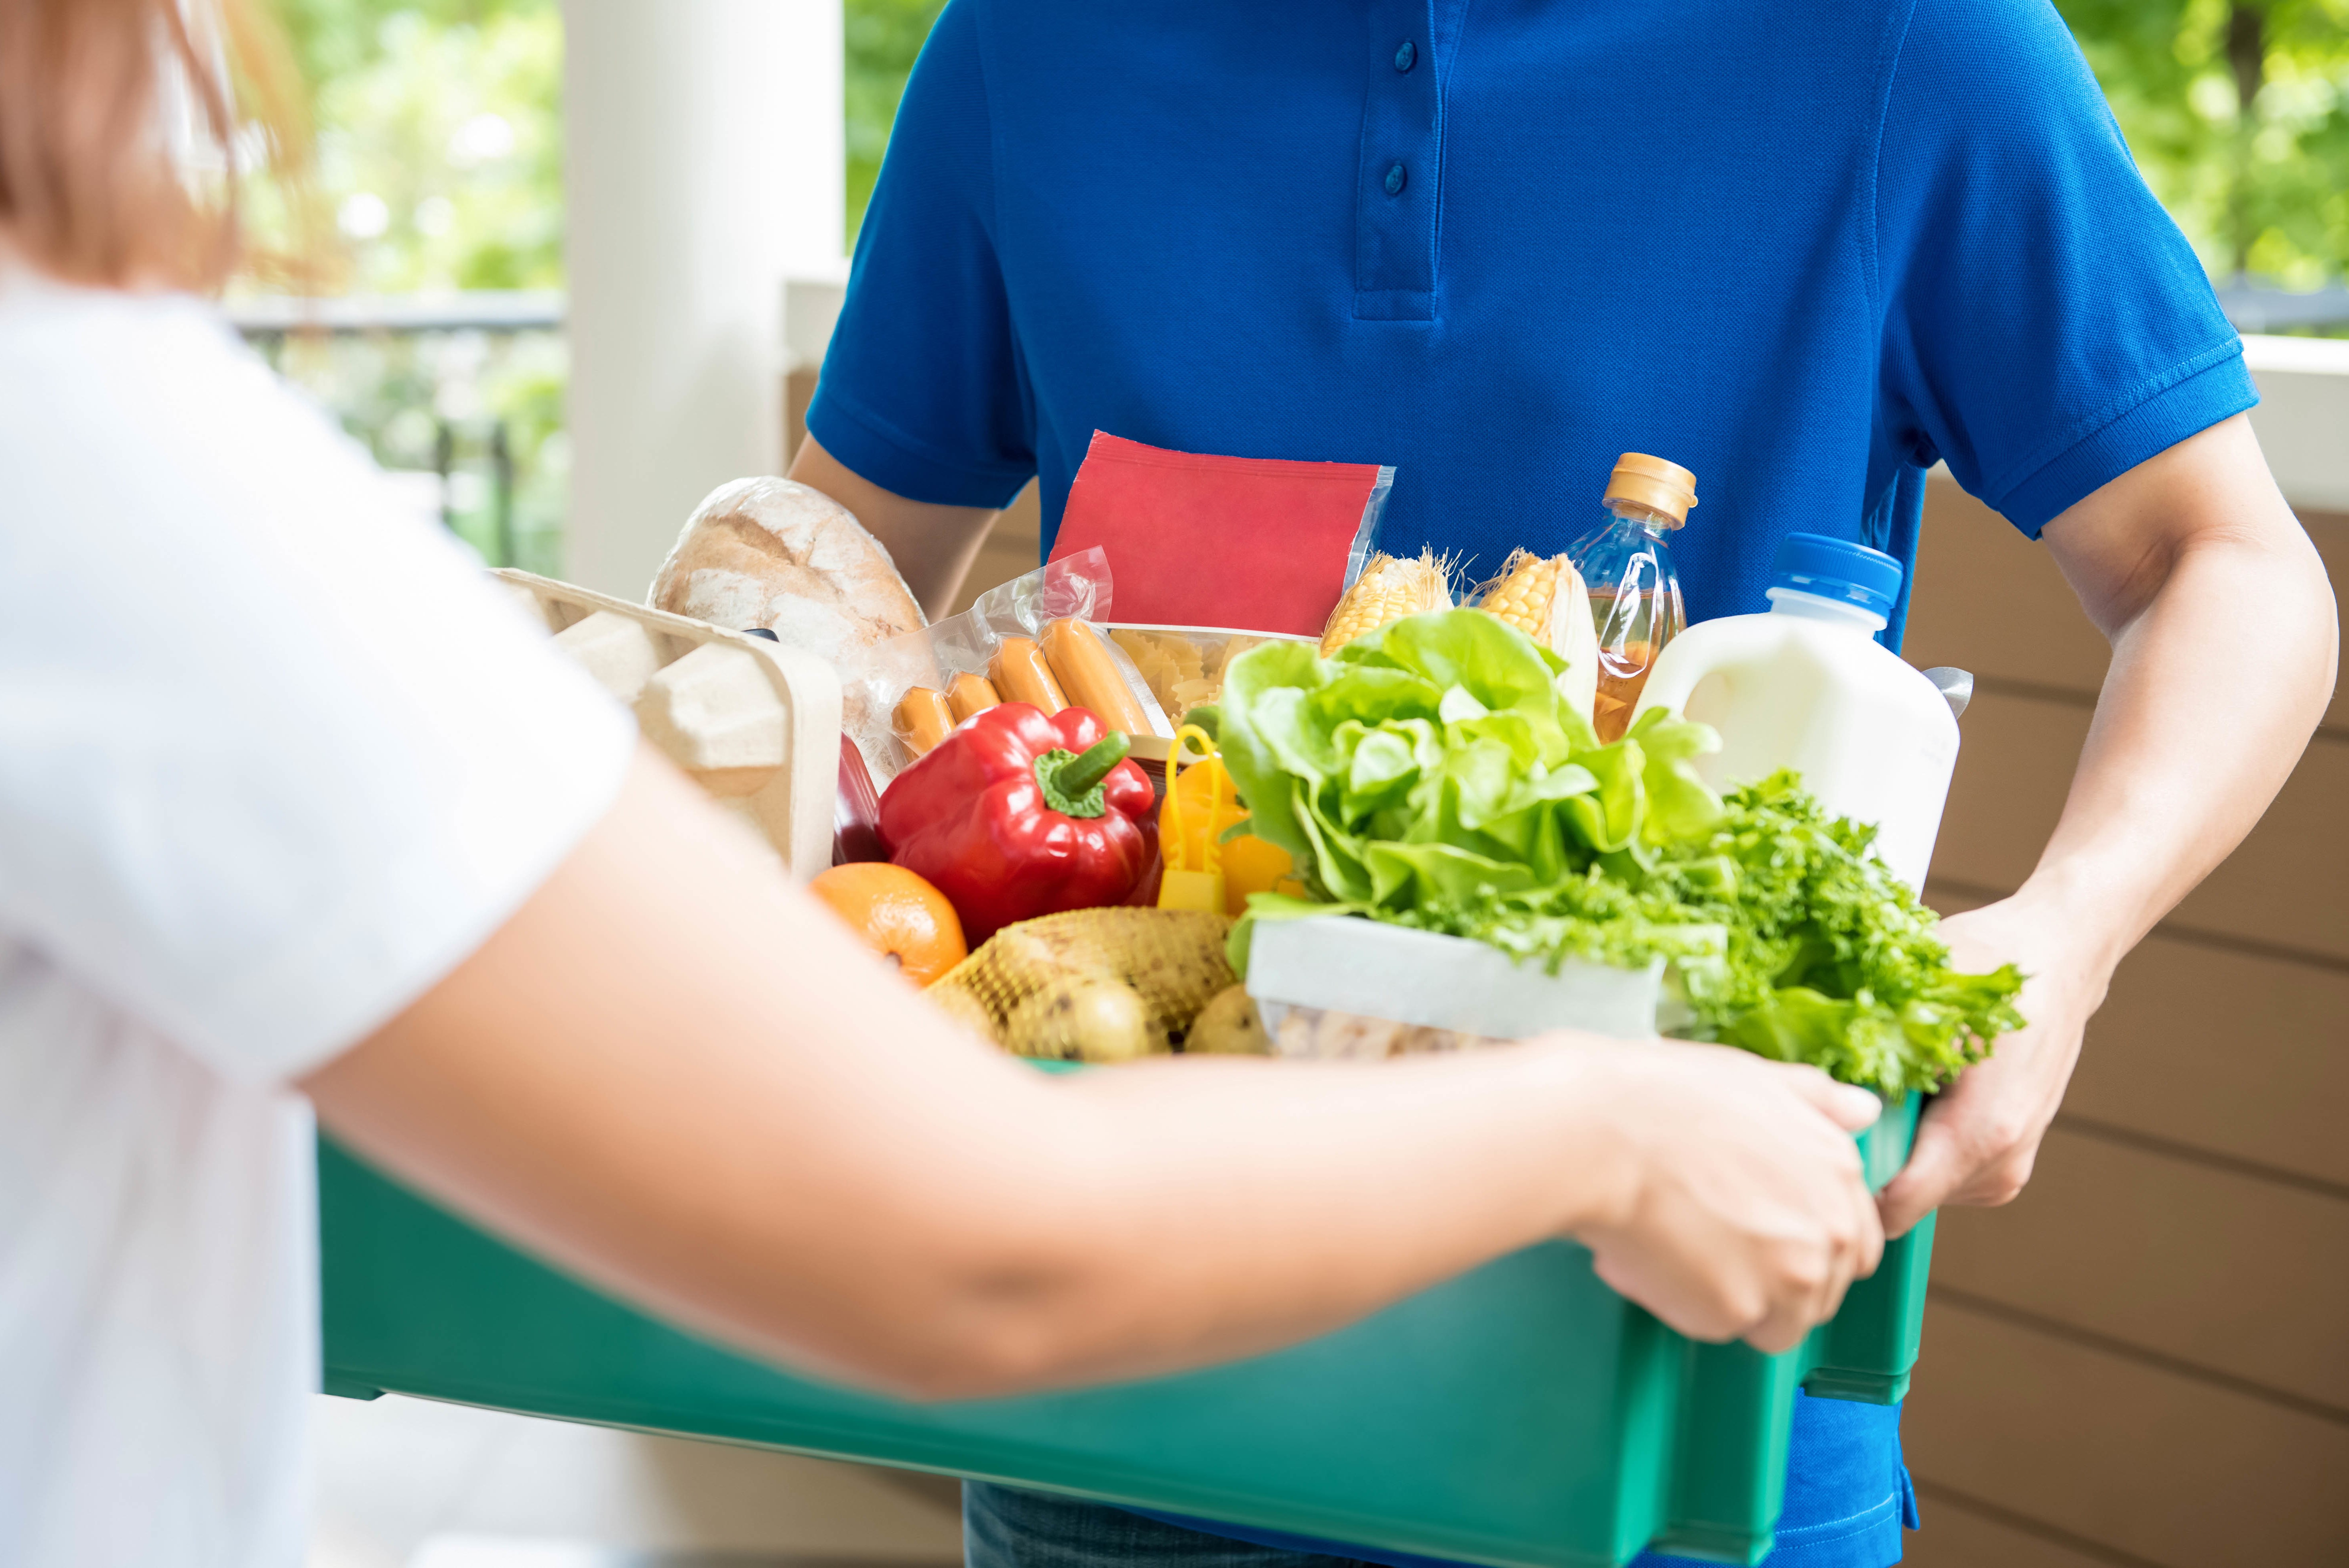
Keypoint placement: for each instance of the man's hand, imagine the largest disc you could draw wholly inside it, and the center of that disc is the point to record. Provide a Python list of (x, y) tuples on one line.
[(1977, 1142), (1742, 1212)]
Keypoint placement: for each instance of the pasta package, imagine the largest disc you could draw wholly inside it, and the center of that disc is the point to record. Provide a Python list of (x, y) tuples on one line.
[(1183, 666)]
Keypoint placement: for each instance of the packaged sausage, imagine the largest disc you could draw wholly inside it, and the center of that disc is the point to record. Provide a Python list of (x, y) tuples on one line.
[(1034, 639)]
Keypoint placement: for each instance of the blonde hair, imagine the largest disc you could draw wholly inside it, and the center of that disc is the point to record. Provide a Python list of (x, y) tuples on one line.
[(128, 129)]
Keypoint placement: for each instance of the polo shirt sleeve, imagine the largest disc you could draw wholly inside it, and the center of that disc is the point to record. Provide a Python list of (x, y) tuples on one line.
[(922, 391), (2046, 327)]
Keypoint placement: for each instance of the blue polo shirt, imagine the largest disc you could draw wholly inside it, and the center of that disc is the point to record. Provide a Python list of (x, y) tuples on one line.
[(1805, 250)]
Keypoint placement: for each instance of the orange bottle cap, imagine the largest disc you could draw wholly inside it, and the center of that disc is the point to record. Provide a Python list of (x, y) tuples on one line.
[(1652, 486)]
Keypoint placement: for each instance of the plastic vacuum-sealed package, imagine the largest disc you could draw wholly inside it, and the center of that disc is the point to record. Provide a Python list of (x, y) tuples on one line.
[(1033, 639), (1185, 665)]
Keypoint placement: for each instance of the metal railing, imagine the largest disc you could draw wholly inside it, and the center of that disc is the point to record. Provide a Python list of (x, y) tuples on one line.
[(462, 449), (458, 443), (2254, 308), (476, 310)]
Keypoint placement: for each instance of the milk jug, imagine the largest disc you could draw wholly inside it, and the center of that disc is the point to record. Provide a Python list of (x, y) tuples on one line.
[(1808, 686)]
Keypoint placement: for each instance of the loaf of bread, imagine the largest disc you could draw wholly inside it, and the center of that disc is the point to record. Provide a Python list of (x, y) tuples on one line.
[(770, 553)]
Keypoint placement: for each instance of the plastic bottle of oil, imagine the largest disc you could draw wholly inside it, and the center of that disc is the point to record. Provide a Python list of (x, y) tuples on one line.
[(1808, 687), (1635, 592)]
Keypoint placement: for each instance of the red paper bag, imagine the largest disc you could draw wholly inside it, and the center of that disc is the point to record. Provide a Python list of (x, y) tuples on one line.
[(1256, 545)]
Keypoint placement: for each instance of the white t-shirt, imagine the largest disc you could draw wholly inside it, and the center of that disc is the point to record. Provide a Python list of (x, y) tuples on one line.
[(274, 757)]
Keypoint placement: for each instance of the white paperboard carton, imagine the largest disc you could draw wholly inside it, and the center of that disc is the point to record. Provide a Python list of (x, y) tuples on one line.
[(755, 724), (1442, 991)]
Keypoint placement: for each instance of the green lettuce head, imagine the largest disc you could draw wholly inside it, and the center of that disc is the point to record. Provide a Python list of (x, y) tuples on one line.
[(1434, 775)]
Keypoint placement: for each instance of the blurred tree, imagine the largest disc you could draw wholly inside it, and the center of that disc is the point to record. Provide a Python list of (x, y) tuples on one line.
[(439, 154), (439, 132), (2238, 111), (440, 126), (883, 39), (440, 138)]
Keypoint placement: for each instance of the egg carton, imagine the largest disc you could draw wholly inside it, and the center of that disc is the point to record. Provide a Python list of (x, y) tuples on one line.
[(754, 723)]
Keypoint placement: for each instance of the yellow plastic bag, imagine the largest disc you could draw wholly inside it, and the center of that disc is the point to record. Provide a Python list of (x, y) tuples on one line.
[(1203, 870)]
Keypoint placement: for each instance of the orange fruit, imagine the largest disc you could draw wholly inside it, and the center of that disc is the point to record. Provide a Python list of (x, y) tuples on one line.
[(897, 913)]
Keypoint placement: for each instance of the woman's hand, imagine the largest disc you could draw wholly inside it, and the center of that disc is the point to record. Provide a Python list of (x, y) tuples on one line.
[(1739, 1211)]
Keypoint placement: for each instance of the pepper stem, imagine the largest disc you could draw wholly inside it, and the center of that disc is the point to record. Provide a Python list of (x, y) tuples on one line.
[(1072, 784), (1093, 765)]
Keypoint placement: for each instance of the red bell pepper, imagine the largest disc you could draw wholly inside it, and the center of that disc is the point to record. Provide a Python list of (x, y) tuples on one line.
[(1015, 815)]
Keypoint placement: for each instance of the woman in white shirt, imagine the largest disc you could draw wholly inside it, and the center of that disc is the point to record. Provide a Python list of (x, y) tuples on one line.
[(295, 812)]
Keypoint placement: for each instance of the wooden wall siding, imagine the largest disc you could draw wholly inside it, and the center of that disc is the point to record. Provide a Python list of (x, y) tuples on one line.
[(2220, 1272), (2220, 1056), (1966, 1532), (2285, 890), (1011, 550), (2101, 1447), (1991, 601), (2234, 1054), (2144, 1360)]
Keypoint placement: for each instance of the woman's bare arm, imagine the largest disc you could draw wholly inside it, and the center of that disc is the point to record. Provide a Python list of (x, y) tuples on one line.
[(671, 1072)]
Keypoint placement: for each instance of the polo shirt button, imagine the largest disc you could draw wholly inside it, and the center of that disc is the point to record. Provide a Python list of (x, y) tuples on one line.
[(1395, 177), (1406, 56)]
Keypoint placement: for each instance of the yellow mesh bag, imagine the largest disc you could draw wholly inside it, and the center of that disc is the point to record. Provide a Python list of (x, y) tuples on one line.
[(1093, 984)]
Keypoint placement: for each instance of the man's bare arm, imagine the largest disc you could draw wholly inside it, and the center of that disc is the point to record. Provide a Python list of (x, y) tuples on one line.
[(2225, 648), (933, 545)]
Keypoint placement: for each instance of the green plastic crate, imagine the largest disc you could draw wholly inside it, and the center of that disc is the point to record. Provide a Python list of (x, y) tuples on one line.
[(1523, 1414)]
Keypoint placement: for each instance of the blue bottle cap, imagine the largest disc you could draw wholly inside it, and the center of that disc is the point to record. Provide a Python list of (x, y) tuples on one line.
[(1837, 569)]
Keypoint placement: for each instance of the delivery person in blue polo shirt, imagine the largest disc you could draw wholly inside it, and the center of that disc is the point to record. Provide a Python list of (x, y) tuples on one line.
[(1806, 251)]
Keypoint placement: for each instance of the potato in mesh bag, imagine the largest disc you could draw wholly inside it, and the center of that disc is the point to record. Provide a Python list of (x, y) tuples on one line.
[(1091, 984)]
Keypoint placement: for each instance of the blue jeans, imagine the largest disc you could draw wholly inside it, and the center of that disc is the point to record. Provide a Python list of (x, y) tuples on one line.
[(1847, 1499)]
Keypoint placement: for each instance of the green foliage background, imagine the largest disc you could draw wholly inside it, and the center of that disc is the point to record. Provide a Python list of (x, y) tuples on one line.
[(883, 36), (449, 113), (440, 152), (2238, 111)]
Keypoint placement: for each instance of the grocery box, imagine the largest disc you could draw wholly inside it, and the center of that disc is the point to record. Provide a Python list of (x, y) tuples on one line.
[(1522, 1415)]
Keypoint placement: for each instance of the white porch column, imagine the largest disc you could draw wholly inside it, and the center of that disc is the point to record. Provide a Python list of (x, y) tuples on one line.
[(704, 164)]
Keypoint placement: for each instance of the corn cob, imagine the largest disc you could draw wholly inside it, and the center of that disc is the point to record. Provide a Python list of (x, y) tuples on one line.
[(1526, 592), (1390, 588), (1545, 597)]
